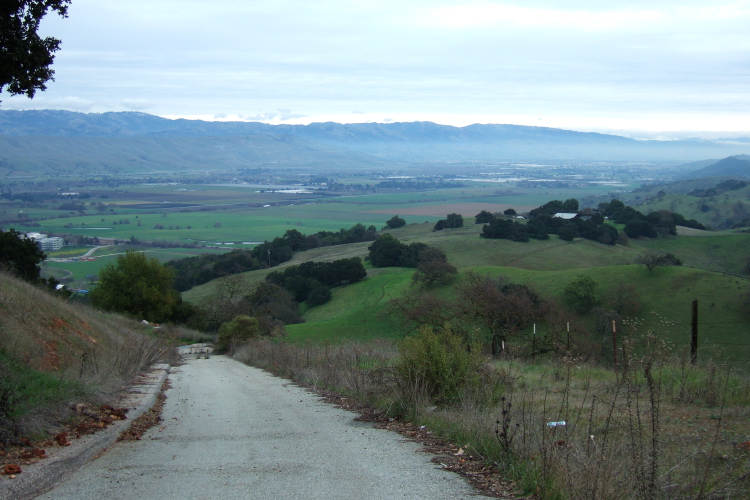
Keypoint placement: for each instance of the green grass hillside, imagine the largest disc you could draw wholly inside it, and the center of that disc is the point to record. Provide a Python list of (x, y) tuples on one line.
[(356, 311), (720, 211)]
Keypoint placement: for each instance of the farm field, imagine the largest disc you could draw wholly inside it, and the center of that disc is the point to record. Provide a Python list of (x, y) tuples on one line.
[(240, 215), (77, 270)]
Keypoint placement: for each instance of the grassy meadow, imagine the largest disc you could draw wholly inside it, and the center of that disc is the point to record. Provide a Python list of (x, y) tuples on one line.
[(77, 270), (237, 213), (357, 311)]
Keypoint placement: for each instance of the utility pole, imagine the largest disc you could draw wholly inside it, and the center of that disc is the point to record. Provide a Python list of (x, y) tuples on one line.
[(694, 335), (269, 258)]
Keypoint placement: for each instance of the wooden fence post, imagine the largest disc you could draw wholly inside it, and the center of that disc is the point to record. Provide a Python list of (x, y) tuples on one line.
[(694, 335)]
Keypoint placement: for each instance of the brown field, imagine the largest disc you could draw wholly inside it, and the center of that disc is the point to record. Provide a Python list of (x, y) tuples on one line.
[(465, 209)]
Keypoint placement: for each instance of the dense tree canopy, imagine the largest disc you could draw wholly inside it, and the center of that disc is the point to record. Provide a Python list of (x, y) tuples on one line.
[(483, 217), (581, 294), (311, 281), (395, 222), (452, 221), (25, 57), (433, 268), (388, 251), (194, 271), (138, 286), (20, 255)]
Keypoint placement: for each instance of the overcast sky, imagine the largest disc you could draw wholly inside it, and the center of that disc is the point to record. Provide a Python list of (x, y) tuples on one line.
[(663, 65)]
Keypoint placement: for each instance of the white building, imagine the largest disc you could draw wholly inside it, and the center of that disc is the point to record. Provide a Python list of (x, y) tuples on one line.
[(566, 215), (51, 244)]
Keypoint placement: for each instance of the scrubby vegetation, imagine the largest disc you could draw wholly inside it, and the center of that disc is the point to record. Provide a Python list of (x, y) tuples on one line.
[(562, 427), (54, 352)]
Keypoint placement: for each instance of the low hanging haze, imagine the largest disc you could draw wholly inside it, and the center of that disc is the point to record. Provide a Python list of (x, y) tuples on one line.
[(637, 68)]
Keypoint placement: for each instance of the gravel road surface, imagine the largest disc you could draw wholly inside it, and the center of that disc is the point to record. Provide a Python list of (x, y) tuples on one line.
[(233, 431)]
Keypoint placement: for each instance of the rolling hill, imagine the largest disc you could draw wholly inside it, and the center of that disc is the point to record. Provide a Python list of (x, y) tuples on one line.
[(713, 273), (733, 166)]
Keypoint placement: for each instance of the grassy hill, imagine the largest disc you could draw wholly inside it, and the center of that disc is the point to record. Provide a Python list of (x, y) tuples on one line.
[(53, 352), (356, 311), (724, 210)]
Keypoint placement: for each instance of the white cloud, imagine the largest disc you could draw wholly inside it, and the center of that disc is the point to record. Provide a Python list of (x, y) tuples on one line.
[(574, 63)]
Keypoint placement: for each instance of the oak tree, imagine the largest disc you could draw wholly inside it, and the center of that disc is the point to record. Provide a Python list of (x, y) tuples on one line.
[(25, 57), (138, 286)]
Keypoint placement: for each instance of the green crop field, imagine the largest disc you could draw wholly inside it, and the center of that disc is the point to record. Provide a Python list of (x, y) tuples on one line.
[(238, 214), (77, 270)]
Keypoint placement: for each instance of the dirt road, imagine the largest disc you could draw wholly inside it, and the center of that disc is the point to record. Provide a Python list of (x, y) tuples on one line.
[(232, 431)]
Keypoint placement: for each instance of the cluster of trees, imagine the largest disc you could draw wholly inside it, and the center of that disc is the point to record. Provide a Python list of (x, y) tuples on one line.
[(508, 229), (484, 216), (387, 251), (649, 226), (499, 312), (194, 271), (588, 223), (355, 234), (200, 269), (432, 264), (496, 309), (312, 281), (452, 221), (542, 222)]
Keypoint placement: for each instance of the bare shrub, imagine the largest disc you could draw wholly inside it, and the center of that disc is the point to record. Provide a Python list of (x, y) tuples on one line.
[(563, 428)]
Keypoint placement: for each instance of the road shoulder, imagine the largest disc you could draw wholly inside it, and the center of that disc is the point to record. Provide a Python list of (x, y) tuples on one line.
[(42, 476)]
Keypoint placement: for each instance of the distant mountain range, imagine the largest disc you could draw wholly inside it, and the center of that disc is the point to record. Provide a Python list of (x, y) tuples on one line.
[(64, 141)]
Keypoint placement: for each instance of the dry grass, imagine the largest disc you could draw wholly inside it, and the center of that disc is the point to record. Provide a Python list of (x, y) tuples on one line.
[(49, 339), (660, 429)]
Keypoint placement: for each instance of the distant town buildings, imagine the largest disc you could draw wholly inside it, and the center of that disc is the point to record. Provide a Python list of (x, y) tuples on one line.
[(45, 243)]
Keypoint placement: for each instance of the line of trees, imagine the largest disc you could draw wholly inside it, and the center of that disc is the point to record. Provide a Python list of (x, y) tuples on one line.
[(197, 270)]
